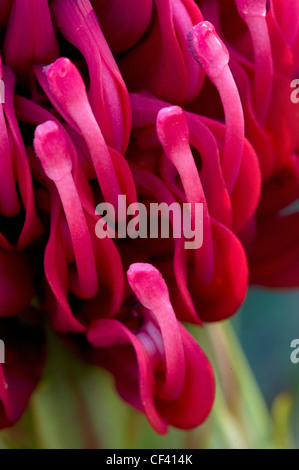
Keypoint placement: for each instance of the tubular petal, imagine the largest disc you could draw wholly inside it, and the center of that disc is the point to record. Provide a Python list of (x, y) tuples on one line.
[(191, 402), (151, 290), (173, 133), (68, 88), (9, 204), (254, 15), (208, 49), (51, 148), (108, 93)]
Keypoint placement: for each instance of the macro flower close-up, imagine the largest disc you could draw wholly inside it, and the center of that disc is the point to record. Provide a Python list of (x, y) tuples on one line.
[(149, 224)]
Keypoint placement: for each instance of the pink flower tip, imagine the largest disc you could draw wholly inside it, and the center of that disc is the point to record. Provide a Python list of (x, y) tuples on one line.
[(65, 81), (148, 285), (51, 148), (172, 124), (207, 48)]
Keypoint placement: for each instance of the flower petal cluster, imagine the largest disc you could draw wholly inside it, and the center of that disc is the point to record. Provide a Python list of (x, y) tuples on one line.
[(161, 101)]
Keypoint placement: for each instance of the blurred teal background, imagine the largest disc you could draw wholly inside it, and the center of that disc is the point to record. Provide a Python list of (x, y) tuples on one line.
[(266, 325)]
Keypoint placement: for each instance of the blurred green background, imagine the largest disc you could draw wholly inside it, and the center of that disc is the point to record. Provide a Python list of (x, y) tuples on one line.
[(256, 406)]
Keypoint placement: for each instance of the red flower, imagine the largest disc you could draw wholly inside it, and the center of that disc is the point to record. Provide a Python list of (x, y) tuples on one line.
[(95, 95)]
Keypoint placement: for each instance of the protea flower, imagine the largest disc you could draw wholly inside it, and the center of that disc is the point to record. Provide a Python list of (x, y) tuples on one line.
[(178, 101)]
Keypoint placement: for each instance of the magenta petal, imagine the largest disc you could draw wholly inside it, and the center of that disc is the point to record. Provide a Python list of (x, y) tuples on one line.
[(151, 290), (9, 204), (51, 148), (32, 227), (209, 50), (254, 15), (55, 264), (138, 391), (177, 389), (30, 37), (196, 400), (108, 94), (165, 67), (254, 132), (226, 293), (173, 133), (123, 22), (136, 383), (145, 111), (66, 86), (174, 270)]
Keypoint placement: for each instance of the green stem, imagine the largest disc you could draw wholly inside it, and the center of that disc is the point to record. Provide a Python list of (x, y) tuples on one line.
[(240, 415)]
